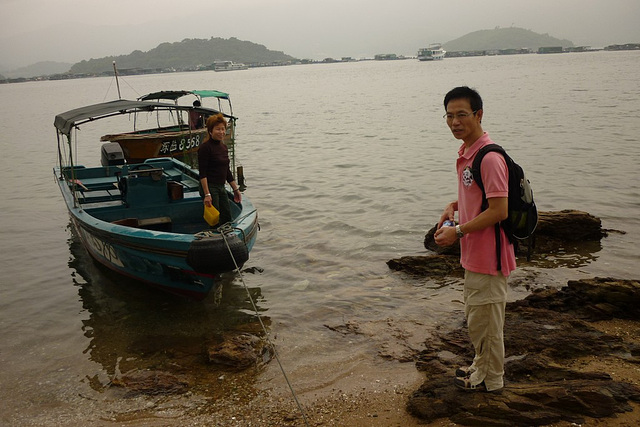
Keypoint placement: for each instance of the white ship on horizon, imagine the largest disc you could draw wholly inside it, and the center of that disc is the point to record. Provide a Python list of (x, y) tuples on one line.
[(431, 53), (229, 66)]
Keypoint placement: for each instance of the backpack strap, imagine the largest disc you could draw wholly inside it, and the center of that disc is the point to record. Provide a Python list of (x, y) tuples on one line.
[(475, 168), (477, 177)]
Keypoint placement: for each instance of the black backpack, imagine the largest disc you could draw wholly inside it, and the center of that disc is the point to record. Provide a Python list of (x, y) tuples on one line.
[(523, 214)]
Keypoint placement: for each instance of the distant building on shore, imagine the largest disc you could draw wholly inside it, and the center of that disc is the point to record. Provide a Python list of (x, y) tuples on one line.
[(550, 49), (385, 57), (628, 46)]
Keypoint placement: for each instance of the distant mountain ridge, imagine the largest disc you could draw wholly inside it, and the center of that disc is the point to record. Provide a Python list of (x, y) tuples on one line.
[(195, 53), (189, 53), (38, 69), (503, 38)]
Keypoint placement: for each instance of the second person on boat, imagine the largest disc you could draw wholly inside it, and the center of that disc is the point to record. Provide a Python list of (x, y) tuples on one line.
[(213, 164)]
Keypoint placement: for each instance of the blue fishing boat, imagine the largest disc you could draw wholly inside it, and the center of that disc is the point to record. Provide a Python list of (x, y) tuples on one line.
[(145, 220)]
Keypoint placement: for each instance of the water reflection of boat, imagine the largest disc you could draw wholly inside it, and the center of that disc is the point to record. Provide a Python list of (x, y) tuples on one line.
[(432, 53), (145, 220), (155, 331), (175, 135)]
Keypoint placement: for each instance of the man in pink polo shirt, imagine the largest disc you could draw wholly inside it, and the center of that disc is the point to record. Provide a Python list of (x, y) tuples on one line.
[(485, 288)]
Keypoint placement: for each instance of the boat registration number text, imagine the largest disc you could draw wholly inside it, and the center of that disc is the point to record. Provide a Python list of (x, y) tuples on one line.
[(104, 249), (180, 144)]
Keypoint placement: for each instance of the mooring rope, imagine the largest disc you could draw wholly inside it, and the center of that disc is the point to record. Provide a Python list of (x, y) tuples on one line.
[(228, 227)]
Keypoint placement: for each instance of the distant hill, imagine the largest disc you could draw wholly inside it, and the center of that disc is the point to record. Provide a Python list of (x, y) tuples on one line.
[(44, 68), (503, 38), (187, 54)]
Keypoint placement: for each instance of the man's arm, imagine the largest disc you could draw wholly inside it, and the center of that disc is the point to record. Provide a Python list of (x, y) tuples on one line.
[(497, 211)]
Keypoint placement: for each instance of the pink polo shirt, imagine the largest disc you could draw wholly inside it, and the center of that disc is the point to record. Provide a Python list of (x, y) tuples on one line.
[(478, 249)]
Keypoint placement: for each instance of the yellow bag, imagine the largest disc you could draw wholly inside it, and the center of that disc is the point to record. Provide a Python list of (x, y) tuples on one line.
[(211, 215)]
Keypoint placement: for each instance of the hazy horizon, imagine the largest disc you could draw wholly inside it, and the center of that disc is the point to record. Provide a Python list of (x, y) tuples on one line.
[(70, 31)]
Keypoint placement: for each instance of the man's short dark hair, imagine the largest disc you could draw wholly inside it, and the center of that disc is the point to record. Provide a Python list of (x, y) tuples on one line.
[(464, 92)]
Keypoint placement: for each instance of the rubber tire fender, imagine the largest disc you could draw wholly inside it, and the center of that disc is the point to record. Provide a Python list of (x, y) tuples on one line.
[(210, 255)]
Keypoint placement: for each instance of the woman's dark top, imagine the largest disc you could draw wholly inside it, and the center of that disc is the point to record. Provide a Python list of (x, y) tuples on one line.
[(213, 162)]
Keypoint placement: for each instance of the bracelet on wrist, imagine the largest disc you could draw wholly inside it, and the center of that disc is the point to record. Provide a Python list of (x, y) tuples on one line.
[(207, 195)]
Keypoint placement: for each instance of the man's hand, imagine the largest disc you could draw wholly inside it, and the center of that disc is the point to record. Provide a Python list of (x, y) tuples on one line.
[(445, 236)]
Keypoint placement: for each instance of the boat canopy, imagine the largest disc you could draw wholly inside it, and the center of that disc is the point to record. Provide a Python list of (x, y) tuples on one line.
[(175, 94), (64, 122), (211, 94), (165, 94)]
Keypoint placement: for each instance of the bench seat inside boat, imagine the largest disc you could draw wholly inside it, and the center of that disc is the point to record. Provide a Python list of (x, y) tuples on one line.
[(161, 223), (98, 185), (99, 196), (168, 217)]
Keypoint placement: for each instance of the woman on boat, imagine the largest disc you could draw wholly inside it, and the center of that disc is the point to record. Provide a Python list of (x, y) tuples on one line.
[(213, 161)]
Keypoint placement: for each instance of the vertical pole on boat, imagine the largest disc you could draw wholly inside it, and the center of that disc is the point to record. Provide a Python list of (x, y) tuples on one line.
[(115, 72), (240, 178), (59, 156), (71, 168)]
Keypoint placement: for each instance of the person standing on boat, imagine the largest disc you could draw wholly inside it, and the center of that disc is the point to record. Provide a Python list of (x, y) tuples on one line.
[(485, 288), (195, 118), (213, 163)]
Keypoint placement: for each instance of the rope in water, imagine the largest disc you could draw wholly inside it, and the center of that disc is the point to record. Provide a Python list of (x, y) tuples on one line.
[(222, 229)]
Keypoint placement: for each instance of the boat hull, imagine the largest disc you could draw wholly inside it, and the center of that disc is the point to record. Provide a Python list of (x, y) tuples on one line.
[(431, 58), (156, 256), (139, 146), (144, 264)]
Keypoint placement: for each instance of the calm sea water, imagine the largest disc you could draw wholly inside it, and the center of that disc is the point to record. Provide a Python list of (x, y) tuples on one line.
[(349, 166)]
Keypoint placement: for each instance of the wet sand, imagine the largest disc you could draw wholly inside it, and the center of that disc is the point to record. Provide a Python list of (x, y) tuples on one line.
[(379, 397), (384, 402)]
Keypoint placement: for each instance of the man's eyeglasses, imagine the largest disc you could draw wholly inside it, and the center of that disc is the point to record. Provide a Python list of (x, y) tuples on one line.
[(460, 116)]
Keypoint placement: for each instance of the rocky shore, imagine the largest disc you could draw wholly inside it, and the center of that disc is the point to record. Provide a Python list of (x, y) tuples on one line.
[(547, 336), (573, 355), (559, 342)]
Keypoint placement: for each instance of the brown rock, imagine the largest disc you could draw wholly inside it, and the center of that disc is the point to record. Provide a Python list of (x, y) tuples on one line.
[(531, 404), (555, 228), (151, 382), (569, 226), (434, 265), (590, 299), (570, 231), (240, 351), (542, 335)]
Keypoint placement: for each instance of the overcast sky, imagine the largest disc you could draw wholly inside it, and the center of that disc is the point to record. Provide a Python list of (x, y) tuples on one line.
[(73, 30)]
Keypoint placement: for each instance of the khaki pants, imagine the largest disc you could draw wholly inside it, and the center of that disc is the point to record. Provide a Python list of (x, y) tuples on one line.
[(485, 299)]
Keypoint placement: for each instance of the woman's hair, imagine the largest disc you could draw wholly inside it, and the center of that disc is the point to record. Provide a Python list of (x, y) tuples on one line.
[(212, 121)]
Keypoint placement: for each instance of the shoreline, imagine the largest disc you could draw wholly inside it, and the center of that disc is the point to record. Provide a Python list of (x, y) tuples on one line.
[(383, 402), (628, 47), (380, 392)]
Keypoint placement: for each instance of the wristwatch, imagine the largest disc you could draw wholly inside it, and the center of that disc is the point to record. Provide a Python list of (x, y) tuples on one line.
[(459, 232)]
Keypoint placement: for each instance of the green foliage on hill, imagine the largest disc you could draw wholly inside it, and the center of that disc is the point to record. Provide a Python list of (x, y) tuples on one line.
[(187, 54), (503, 38)]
